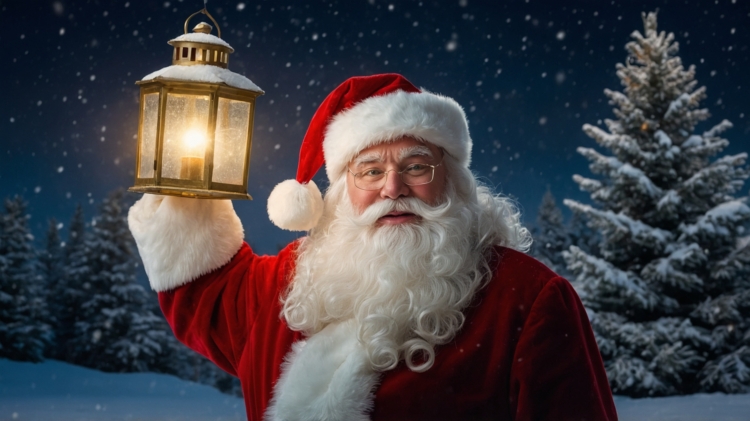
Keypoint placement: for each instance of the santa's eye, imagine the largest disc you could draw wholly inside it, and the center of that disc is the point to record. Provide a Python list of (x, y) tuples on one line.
[(372, 173), (416, 169)]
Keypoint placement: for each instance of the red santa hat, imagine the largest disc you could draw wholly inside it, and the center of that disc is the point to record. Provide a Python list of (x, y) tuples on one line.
[(362, 112)]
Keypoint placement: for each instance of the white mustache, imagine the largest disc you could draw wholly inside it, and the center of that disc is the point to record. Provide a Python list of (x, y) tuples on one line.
[(405, 204)]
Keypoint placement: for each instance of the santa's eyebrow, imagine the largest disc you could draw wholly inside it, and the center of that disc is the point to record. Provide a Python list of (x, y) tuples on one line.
[(411, 151), (368, 158)]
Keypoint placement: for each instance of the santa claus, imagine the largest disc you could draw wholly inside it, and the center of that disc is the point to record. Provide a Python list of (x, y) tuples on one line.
[(409, 299)]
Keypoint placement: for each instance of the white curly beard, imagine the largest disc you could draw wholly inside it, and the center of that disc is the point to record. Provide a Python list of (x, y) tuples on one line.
[(405, 286)]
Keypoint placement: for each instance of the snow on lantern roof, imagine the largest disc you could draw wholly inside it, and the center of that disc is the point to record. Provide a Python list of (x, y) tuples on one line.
[(204, 73), (202, 38)]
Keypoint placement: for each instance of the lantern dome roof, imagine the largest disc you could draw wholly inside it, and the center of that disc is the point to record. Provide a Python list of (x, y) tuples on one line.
[(200, 48)]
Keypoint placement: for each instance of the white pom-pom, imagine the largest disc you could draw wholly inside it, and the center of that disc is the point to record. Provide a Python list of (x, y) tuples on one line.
[(295, 207)]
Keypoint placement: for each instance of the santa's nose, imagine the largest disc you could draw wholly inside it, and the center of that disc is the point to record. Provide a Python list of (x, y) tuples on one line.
[(394, 187)]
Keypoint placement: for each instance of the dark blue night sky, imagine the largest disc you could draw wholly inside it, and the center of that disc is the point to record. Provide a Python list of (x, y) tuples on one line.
[(529, 73)]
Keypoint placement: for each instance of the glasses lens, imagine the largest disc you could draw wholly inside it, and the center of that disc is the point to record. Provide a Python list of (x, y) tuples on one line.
[(370, 179), (417, 174), (375, 178)]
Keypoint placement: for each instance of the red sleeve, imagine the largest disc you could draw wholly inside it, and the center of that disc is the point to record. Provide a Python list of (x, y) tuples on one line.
[(557, 371), (214, 313)]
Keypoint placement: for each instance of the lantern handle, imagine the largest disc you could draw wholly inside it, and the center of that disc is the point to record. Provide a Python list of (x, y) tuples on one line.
[(205, 12)]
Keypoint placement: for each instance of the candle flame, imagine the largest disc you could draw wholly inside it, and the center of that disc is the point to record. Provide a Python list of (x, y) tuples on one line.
[(194, 139)]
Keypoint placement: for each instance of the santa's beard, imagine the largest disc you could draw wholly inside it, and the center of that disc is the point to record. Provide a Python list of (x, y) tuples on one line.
[(405, 285)]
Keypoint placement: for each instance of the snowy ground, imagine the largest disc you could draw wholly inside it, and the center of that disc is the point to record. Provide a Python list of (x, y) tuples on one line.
[(62, 392), (57, 391), (701, 407)]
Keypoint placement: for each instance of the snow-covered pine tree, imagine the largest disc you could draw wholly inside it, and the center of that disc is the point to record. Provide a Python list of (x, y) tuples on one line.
[(52, 263), (116, 330), (583, 236), (76, 232), (551, 238), (669, 297), (24, 333), (52, 258), (68, 295)]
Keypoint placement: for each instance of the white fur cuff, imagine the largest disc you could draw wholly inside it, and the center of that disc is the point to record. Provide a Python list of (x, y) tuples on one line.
[(180, 239)]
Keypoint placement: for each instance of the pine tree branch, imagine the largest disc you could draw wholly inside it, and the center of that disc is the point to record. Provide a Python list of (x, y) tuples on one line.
[(720, 310), (736, 266), (673, 269), (728, 373), (718, 129), (620, 227), (719, 221), (598, 277)]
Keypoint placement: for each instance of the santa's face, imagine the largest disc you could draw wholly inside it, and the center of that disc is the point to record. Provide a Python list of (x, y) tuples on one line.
[(391, 158)]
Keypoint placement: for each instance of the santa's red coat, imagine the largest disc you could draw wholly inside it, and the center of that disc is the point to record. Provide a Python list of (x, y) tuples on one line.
[(526, 351)]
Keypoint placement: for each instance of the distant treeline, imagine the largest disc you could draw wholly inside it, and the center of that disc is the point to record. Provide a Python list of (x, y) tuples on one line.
[(77, 300)]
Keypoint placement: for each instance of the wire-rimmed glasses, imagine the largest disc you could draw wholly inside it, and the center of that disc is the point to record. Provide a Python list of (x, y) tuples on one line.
[(413, 175)]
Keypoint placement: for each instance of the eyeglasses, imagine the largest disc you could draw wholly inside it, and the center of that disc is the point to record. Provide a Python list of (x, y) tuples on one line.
[(413, 175)]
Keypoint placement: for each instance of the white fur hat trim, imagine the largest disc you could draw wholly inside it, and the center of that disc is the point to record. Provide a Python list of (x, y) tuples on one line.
[(295, 207), (433, 118)]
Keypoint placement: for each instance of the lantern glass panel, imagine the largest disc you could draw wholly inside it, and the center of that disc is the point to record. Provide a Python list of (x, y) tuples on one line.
[(185, 136), (148, 135), (230, 147)]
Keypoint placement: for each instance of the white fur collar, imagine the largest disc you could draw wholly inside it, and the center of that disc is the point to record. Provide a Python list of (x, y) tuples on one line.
[(326, 378)]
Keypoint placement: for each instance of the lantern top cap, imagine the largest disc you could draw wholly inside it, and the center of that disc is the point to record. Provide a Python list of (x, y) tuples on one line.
[(203, 28)]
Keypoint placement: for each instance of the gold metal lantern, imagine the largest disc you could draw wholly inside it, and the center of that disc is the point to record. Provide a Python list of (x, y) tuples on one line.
[(196, 121)]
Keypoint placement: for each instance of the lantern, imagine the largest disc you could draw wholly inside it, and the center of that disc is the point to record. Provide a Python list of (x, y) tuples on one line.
[(196, 121)]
